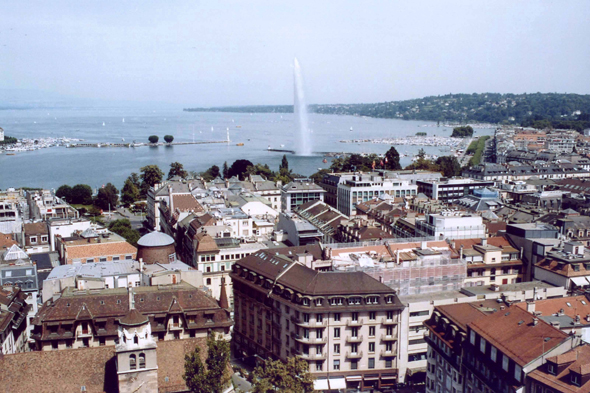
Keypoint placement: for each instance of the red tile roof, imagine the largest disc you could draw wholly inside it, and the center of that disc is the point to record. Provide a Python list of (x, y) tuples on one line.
[(512, 331)]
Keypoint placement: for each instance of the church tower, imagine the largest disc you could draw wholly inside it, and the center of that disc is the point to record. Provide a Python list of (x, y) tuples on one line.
[(137, 362)]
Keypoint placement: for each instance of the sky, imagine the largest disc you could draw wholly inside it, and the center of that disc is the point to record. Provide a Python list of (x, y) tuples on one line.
[(220, 53)]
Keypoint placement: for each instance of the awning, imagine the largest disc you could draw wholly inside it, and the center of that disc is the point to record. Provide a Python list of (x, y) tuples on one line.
[(354, 378), (580, 281), (335, 383)]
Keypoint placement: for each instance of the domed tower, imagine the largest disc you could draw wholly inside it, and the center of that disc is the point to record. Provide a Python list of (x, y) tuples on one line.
[(137, 362), (156, 247)]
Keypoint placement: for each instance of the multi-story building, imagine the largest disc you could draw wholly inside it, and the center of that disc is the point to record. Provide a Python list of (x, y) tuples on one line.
[(298, 192), (36, 237), (66, 228), (567, 373), (324, 217), (503, 348), (447, 333), (490, 261), (450, 190), (344, 324), (162, 192), (14, 332), (298, 231), (567, 266), (91, 246), (361, 188), (80, 319), (44, 205), (452, 225)]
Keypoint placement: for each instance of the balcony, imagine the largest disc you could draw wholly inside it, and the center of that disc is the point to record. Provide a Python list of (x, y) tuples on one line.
[(354, 355), (358, 322), (388, 337), (310, 356), (308, 340), (385, 353), (354, 339), (386, 321), (175, 326)]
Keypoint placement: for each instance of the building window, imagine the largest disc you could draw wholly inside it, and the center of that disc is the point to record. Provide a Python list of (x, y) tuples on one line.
[(336, 364), (132, 362), (517, 372), (336, 348), (319, 333), (319, 366), (493, 353), (505, 362), (371, 362), (337, 317), (354, 332), (388, 363), (171, 257), (371, 347), (372, 315), (208, 281), (550, 368), (33, 239), (482, 345), (116, 258), (305, 302), (354, 365), (44, 239), (54, 344), (305, 317), (142, 360), (575, 378), (355, 316), (472, 338), (337, 332), (319, 318), (371, 331), (318, 302)]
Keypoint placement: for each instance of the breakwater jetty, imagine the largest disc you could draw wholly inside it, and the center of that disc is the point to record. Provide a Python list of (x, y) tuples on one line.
[(134, 144)]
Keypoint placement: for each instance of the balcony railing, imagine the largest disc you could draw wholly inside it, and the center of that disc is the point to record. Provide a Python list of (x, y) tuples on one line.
[(354, 355), (388, 337), (354, 339), (387, 321), (386, 353), (316, 356), (358, 322), (308, 340)]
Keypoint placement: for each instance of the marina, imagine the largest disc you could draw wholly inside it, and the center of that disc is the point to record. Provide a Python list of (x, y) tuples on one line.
[(437, 141)]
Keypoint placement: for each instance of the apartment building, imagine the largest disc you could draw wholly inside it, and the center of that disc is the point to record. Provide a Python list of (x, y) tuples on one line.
[(452, 225), (490, 261), (567, 373), (14, 324), (91, 318), (364, 187), (93, 246), (43, 204), (298, 192), (344, 324), (450, 190), (567, 266)]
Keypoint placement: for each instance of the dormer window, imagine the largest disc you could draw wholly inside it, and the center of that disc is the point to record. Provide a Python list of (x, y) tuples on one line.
[(551, 368), (318, 302), (575, 378), (305, 301)]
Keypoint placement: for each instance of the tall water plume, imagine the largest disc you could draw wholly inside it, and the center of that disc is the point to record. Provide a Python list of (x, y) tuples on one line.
[(303, 147)]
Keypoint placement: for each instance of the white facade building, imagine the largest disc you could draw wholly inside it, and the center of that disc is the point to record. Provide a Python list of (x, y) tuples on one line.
[(451, 224)]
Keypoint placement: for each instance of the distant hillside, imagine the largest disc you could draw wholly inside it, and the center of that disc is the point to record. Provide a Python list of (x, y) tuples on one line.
[(523, 109)]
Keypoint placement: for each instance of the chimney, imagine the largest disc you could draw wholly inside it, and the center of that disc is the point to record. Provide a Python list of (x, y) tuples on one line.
[(141, 265), (131, 298), (577, 319), (535, 321), (484, 242), (397, 257), (424, 245), (555, 324), (530, 306), (461, 252), (170, 197)]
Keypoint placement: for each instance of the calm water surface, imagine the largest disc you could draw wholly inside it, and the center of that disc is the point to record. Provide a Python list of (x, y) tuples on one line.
[(52, 167)]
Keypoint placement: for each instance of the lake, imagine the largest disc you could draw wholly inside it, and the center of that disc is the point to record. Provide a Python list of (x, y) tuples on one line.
[(52, 167)]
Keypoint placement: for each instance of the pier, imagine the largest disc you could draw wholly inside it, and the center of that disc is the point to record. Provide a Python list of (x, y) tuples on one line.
[(141, 144)]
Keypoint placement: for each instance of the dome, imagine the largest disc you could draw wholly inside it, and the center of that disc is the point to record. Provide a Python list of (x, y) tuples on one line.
[(155, 239)]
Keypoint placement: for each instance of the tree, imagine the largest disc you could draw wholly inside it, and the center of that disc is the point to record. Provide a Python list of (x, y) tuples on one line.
[(392, 159), (449, 166), (107, 198), (150, 175), (239, 168), (462, 132), (284, 163), (276, 376), (123, 228), (168, 138), (81, 194), (64, 192), (421, 154), (176, 169), (211, 173), (213, 377), (153, 139), (225, 170), (130, 192)]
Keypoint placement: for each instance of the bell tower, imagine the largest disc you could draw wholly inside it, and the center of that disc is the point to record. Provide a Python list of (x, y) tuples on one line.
[(137, 362)]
